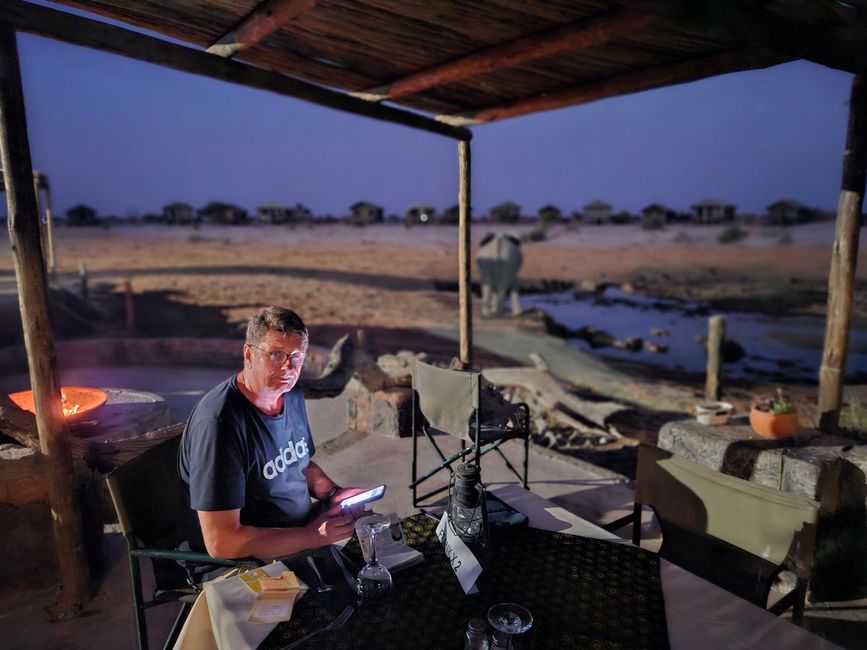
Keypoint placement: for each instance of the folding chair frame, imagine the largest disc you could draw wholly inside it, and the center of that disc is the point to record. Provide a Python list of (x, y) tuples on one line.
[(477, 448)]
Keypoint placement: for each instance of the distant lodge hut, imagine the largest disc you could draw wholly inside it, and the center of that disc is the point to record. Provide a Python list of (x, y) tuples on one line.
[(81, 215), (657, 215), (550, 213), (788, 211), (597, 212), (364, 213), (713, 211), (276, 213), (179, 212), (420, 213), (223, 213)]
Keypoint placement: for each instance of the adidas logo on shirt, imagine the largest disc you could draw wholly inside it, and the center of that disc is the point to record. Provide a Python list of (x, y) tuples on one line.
[(286, 458)]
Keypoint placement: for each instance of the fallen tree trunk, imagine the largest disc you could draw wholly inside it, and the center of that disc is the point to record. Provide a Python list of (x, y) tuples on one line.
[(550, 396)]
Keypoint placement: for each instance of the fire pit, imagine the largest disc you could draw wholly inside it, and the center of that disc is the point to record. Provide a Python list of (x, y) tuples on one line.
[(76, 401)]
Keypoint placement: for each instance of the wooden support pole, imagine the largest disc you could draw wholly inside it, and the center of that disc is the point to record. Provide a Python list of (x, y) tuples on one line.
[(49, 230), (629, 82), (54, 440), (844, 258), (464, 296), (572, 37), (266, 18), (716, 334)]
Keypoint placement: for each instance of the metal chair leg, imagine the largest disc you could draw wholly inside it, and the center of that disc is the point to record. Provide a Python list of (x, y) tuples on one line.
[(180, 619), (137, 602)]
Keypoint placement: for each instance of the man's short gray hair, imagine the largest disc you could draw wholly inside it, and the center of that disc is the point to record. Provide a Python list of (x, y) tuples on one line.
[(275, 319)]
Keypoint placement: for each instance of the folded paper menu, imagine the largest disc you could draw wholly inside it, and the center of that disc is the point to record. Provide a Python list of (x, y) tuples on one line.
[(392, 551), (275, 595)]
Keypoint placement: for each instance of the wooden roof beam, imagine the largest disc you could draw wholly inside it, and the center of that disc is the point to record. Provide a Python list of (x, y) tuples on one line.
[(631, 82), (572, 37), (265, 19), (62, 26)]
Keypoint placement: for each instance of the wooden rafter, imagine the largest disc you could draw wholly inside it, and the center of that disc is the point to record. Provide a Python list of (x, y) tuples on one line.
[(265, 19), (572, 37), (73, 29), (631, 82)]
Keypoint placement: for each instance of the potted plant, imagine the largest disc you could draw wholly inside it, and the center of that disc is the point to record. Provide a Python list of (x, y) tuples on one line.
[(774, 417)]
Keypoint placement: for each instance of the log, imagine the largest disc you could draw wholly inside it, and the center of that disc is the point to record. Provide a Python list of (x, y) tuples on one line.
[(844, 258), (23, 222), (465, 298), (69, 28), (716, 334), (550, 395), (338, 371), (572, 37), (18, 424)]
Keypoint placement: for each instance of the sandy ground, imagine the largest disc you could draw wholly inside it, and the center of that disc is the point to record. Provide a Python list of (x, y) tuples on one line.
[(383, 275), (392, 280)]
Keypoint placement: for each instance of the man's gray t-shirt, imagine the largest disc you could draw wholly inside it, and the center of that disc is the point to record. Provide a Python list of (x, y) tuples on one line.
[(234, 456)]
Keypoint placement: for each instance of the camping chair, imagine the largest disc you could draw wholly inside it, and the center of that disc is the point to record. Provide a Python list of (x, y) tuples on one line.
[(454, 402), (737, 534), (153, 510)]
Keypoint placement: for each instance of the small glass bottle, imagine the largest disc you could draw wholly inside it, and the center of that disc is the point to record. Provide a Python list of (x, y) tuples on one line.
[(475, 638)]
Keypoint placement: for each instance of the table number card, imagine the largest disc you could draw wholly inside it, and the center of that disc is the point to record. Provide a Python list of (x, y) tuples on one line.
[(463, 562)]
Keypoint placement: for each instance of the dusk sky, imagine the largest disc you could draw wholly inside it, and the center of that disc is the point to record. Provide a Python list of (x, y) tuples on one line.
[(127, 137)]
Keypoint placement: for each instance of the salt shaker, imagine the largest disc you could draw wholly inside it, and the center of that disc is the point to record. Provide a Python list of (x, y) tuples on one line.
[(475, 638)]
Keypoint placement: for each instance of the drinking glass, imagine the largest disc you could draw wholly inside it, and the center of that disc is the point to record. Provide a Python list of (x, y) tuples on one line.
[(508, 619), (374, 580)]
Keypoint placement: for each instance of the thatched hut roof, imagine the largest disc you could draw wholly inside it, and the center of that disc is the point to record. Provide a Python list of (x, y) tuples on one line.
[(468, 63)]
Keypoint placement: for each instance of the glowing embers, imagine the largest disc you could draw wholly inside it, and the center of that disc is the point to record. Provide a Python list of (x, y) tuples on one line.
[(76, 401)]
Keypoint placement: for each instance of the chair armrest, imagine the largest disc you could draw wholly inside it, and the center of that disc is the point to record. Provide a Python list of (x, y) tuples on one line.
[(193, 556)]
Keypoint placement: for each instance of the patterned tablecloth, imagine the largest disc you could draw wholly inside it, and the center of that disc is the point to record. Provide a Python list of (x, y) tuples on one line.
[(582, 592)]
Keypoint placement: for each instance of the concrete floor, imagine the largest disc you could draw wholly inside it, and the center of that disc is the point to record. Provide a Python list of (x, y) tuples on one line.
[(350, 459)]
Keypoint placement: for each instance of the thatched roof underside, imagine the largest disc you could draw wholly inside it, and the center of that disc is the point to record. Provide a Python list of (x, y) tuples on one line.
[(473, 61)]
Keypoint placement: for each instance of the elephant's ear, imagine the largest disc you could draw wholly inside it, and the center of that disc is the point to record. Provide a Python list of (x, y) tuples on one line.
[(486, 239)]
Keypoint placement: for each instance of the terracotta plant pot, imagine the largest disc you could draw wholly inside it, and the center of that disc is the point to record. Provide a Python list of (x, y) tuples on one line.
[(773, 425)]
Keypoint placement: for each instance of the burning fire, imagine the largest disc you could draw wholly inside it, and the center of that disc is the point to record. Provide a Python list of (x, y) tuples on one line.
[(75, 401), (66, 407)]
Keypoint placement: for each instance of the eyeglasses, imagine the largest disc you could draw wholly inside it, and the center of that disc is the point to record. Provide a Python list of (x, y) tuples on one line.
[(279, 358)]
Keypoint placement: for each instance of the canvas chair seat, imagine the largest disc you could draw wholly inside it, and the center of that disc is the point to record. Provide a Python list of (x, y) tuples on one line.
[(152, 507), (454, 402), (734, 533)]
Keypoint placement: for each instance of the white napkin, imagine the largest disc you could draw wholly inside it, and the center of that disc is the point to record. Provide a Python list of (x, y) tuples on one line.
[(229, 603)]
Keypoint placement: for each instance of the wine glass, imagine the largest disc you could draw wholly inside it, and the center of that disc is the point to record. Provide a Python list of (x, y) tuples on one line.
[(508, 619), (374, 580)]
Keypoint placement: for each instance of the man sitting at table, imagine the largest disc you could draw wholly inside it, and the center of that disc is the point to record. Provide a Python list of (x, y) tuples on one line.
[(246, 452)]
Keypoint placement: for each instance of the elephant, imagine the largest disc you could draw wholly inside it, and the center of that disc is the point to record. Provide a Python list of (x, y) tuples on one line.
[(499, 258)]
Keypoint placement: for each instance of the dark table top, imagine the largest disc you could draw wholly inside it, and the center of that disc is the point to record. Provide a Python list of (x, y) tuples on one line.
[(582, 592)]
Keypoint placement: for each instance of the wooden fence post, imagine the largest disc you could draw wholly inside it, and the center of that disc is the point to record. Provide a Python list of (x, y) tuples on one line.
[(844, 258), (23, 221), (129, 305), (465, 297), (716, 334)]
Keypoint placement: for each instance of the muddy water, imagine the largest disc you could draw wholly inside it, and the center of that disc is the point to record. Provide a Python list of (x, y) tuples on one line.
[(784, 347)]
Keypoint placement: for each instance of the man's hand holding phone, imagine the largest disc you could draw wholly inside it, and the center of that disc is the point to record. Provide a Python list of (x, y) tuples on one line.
[(351, 501)]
